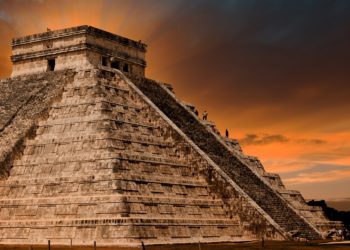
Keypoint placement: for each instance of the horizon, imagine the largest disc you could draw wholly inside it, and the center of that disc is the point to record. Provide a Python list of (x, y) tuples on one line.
[(275, 74)]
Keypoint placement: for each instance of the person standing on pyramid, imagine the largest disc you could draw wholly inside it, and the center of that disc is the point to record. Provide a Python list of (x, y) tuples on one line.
[(226, 133), (196, 112), (205, 115)]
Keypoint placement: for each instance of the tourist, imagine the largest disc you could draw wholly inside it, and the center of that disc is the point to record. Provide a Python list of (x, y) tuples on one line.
[(340, 233), (226, 133), (205, 115)]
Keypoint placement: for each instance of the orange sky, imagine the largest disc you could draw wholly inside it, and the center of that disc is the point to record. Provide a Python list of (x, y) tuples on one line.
[(276, 75)]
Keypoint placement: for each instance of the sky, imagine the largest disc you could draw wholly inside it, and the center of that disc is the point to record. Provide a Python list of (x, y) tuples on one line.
[(274, 73)]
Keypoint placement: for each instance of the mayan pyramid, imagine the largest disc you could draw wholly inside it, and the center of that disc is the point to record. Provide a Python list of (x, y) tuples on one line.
[(91, 150)]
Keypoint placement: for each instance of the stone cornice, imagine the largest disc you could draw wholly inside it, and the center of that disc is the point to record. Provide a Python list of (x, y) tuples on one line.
[(78, 47), (85, 29)]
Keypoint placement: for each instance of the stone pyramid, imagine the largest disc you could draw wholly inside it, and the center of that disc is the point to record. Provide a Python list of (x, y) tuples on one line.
[(91, 150)]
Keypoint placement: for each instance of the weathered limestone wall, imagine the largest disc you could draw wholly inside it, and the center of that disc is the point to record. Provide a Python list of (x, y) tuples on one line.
[(124, 51), (51, 41), (24, 101), (75, 48), (106, 165), (77, 60)]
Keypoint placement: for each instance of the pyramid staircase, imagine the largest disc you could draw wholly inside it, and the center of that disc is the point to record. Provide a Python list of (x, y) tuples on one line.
[(105, 164), (239, 168)]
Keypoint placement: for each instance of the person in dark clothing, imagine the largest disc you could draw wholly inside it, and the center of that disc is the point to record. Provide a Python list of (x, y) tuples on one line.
[(205, 115), (226, 133)]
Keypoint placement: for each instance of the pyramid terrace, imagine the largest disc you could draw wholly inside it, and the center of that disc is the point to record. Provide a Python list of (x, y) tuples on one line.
[(92, 150)]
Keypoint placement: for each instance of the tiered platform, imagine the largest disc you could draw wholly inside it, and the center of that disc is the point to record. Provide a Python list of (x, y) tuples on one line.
[(104, 165)]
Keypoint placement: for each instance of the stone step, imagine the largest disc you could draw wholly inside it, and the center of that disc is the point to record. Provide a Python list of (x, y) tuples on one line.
[(116, 207), (108, 184), (92, 119), (68, 103), (137, 178), (123, 187), (96, 85), (102, 167), (111, 110), (114, 198), (125, 137), (99, 155), (118, 221), (94, 89), (88, 132), (126, 188), (130, 134), (121, 231), (100, 211), (116, 143)]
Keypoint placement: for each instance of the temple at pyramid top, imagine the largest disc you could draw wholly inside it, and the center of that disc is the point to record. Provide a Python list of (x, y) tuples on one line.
[(81, 47)]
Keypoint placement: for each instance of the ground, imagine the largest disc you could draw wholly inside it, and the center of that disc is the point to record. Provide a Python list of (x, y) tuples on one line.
[(229, 246)]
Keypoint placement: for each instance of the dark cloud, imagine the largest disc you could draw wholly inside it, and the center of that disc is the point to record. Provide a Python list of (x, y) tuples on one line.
[(284, 63), (263, 139), (290, 56), (253, 139), (5, 17), (311, 141)]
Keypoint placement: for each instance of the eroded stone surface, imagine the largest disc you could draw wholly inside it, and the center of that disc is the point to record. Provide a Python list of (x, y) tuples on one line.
[(86, 154), (82, 47), (104, 165), (23, 101)]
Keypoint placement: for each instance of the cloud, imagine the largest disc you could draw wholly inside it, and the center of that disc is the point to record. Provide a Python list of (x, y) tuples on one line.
[(253, 139), (317, 173), (311, 141), (317, 168), (5, 16), (315, 177), (264, 139)]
